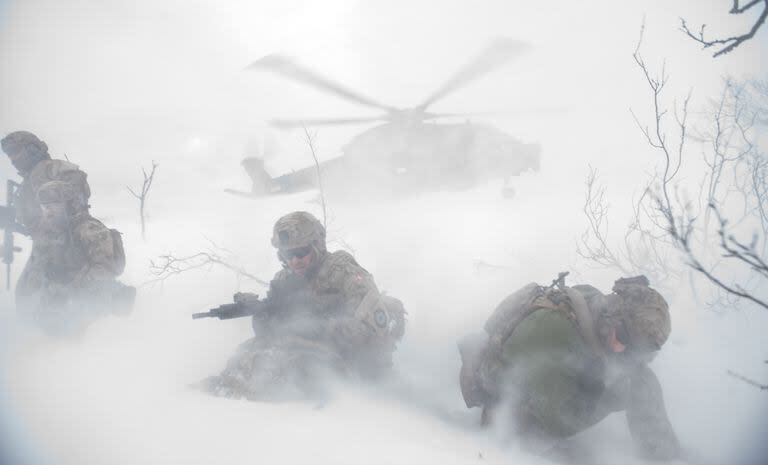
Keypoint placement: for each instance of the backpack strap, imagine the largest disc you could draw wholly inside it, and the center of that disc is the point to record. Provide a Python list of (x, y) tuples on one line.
[(509, 313), (481, 353), (585, 320), (118, 250)]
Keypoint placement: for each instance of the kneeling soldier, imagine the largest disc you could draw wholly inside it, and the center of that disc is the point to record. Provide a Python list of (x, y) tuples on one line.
[(323, 315)]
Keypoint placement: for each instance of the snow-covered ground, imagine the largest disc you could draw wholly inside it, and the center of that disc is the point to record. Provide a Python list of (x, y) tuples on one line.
[(120, 394)]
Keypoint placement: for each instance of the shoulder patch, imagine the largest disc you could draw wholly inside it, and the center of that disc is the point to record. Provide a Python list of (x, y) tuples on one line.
[(381, 318)]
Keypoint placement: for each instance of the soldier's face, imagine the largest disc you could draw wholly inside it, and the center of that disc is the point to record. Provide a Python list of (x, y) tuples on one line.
[(54, 216), (299, 259), (617, 343), (23, 159), (16, 154)]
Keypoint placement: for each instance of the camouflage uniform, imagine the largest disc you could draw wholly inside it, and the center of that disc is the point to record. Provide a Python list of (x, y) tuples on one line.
[(30, 157), (332, 320), (546, 355), (70, 275)]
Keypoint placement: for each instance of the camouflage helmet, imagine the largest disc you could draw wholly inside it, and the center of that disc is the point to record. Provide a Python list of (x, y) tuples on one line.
[(298, 229), (59, 191), (644, 312), (25, 149)]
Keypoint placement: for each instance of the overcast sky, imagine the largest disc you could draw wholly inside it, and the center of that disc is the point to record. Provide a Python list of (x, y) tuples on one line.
[(134, 81)]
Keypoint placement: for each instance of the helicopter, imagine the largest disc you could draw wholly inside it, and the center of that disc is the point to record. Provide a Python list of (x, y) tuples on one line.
[(410, 152)]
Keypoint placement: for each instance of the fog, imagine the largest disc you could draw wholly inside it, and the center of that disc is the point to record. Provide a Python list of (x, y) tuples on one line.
[(117, 85)]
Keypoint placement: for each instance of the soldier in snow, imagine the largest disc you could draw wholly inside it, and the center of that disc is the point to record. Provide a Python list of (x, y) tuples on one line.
[(69, 278), (323, 315), (557, 360)]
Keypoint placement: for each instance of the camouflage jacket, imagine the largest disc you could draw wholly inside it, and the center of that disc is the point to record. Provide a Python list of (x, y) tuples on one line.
[(336, 305), (28, 206), (88, 255)]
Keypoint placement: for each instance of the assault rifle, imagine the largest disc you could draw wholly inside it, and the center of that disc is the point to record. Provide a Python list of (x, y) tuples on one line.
[(245, 304), (558, 282), (9, 225)]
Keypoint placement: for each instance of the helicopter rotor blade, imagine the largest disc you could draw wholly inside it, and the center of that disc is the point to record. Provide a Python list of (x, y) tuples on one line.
[(431, 116), (513, 112), (498, 53), (285, 66), (297, 123)]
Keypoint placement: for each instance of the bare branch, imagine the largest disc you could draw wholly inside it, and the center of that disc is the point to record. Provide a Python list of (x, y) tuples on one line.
[(751, 382), (730, 43), (740, 251)]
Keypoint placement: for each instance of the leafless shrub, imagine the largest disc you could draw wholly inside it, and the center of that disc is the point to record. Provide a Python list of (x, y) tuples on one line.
[(733, 181), (643, 250), (169, 265), (709, 230), (646, 247), (148, 178)]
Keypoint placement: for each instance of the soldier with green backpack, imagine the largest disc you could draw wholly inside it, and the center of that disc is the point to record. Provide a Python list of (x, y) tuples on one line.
[(557, 360)]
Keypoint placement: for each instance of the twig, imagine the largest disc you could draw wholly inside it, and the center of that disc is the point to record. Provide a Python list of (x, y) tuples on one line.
[(481, 264), (596, 210), (309, 138), (643, 251), (751, 382), (148, 178)]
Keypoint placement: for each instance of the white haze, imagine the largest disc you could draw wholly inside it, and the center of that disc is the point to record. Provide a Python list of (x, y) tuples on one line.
[(115, 85)]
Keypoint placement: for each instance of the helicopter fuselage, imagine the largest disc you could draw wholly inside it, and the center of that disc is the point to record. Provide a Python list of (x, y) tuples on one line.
[(401, 158)]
